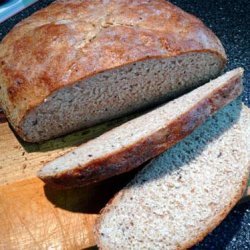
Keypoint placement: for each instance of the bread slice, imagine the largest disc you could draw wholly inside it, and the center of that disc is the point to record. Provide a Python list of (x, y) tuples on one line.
[(182, 195), (128, 146), (78, 63)]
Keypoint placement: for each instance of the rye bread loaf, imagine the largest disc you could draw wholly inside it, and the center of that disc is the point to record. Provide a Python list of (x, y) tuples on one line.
[(78, 63), (182, 195), (138, 140)]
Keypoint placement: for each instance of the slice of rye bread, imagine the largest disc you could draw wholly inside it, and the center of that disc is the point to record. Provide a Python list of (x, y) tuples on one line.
[(133, 143), (182, 195)]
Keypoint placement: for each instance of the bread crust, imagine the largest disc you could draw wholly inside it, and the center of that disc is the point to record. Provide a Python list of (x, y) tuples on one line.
[(132, 156), (72, 40)]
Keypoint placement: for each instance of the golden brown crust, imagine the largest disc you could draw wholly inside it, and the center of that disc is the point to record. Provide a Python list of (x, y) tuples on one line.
[(73, 40), (134, 155)]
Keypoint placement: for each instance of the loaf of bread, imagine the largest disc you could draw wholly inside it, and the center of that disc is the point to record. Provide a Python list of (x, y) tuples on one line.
[(133, 143), (78, 63), (182, 195)]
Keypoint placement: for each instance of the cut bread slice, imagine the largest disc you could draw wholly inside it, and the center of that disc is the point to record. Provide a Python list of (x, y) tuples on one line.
[(182, 195), (133, 143)]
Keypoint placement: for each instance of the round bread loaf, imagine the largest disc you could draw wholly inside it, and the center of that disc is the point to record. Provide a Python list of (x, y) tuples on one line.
[(78, 63)]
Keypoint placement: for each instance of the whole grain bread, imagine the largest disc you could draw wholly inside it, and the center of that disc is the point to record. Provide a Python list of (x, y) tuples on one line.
[(182, 195), (138, 140), (78, 63)]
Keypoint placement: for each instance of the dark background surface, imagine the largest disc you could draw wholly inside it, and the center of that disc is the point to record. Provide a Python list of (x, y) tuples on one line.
[(230, 20)]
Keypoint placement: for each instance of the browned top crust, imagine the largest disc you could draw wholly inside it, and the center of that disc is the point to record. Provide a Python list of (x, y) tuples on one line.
[(71, 40)]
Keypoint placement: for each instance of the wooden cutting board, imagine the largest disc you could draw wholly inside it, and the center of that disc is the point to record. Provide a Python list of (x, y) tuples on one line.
[(34, 216)]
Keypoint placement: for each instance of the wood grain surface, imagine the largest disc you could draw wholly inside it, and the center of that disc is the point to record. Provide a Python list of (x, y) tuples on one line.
[(30, 221), (34, 216)]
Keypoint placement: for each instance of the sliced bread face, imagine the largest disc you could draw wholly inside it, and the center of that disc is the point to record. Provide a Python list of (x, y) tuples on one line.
[(133, 143), (118, 92), (182, 195)]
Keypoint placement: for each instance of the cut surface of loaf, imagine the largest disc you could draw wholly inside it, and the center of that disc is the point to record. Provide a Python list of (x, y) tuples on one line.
[(78, 63), (133, 143), (182, 195)]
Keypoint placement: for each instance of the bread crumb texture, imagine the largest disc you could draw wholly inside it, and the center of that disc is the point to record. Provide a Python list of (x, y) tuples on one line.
[(184, 193)]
